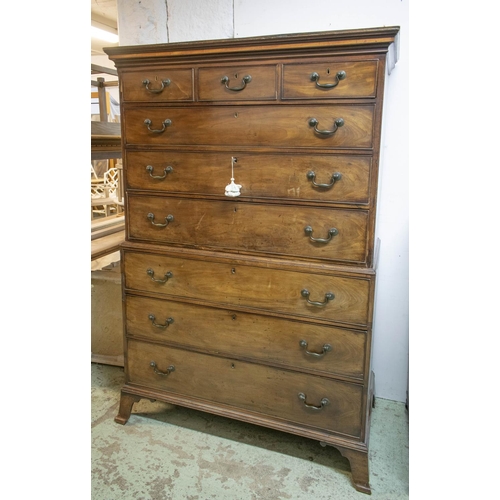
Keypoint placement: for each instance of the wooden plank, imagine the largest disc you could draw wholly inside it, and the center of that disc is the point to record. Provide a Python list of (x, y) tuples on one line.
[(103, 222), (97, 202), (96, 69), (108, 360), (99, 95), (95, 83), (103, 112), (101, 233), (107, 244), (101, 152), (106, 141), (105, 128)]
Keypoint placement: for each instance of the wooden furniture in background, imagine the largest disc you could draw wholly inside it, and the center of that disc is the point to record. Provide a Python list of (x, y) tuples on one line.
[(107, 192), (253, 299)]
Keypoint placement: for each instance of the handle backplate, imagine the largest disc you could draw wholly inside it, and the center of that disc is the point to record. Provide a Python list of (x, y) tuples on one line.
[(326, 348), (151, 217), (339, 76), (168, 322), (311, 175), (166, 170), (151, 274), (170, 369), (328, 296), (164, 83), (331, 233), (246, 79), (323, 402), (166, 123), (339, 122)]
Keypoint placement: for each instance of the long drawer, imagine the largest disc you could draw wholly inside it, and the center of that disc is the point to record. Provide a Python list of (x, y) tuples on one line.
[(313, 295), (321, 403), (311, 177), (316, 233), (308, 126), (295, 344)]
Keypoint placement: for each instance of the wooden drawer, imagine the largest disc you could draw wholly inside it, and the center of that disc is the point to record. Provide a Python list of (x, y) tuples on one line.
[(274, 126), (238, 384), (164, 85), (330, 80), (237, 83), (247, 336), (251, 227), (278, 291), (278, 176)]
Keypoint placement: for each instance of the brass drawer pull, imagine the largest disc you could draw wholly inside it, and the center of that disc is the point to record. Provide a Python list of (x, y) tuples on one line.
[(323, 403), (164, 83), (169, 218), (151, 274), (326, 348), (331, 233), (168, 322), (246, 79), (166, 171), (170, 369), (339, 122), (315, 78), (311, 175), (166, 123), (328, 296)]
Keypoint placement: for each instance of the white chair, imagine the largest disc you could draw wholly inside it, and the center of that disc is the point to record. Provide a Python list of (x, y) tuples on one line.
[(105, 198)]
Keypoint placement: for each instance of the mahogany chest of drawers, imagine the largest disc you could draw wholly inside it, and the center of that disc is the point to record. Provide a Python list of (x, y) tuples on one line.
[(251, 170)]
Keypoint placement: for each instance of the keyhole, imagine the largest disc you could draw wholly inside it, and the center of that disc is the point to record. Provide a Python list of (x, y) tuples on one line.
[(156, 78), (233, 317), (232, 365), (236, 75), (328, 71), (236, 115), (233, 270)]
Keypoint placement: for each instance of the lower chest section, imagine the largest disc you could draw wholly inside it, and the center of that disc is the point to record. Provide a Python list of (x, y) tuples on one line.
[(284, 343)]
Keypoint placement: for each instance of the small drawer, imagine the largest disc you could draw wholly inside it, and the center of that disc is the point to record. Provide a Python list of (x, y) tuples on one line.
[(317, 402), (157, 85), (301, 294), (330, 80), (276, 126), (315, 348), (311, 177), (326, 234), (237, 83)]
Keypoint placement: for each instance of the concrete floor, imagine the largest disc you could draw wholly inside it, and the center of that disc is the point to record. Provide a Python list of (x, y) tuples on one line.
[(172, 453)]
